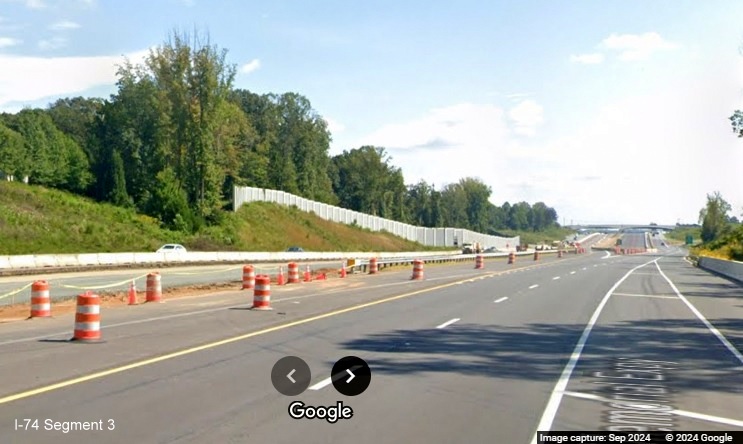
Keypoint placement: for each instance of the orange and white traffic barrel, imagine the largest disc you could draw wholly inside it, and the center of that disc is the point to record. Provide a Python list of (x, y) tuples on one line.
[(343, 270), (248, 277), (307, 274), (88, 317), (417, 270), (511, 257), (479, 262), (293, 273), (262, 293), (536, 255), (154, 292), (41, 302), (559, 253), (373, 265)]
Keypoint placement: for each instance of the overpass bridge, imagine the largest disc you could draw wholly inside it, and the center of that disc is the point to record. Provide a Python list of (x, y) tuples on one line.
[(620, 227)]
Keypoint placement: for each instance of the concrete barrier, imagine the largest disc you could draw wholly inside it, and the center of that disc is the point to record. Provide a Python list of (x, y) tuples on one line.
[(46, 261), (730, 269), (25, 261), (32, 262)]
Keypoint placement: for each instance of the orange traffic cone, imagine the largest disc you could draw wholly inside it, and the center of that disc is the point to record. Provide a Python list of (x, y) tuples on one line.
[(280, 279), (343, 270), (132, 294), (307, 275)]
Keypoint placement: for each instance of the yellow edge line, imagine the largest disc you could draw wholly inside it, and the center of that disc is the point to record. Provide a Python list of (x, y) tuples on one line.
[(188, 351)]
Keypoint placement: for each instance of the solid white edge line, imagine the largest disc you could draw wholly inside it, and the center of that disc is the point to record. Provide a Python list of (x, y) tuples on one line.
[(550, 411), (704, 320), (501, 299), (448, 323), (710, 418), (646, 296), (688, 414)]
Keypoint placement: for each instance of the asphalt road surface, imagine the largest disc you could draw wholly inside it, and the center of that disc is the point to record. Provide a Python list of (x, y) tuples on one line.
[(633, 239), (586, 342), (67, 285)]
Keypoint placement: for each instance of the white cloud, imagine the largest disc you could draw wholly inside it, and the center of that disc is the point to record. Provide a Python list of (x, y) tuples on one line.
[(334, 126), (519, 95), (35, 4), (52, 43), (588, 59), (250, 66), (447, 143), (527, 116), (642, 158), (29, 79), (632, 47), (64, 25), (6, 42)]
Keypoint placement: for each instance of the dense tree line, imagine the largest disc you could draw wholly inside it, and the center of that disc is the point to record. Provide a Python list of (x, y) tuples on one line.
[(177, 136)]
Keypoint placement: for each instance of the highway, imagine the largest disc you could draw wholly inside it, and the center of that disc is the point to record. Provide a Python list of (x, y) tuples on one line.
[(67, 285), (585, 342), (634, 239)]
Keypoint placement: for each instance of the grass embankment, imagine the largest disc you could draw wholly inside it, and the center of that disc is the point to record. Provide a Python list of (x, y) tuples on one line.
[(678, 235), (728, 246), (539, 237), (37, 220)]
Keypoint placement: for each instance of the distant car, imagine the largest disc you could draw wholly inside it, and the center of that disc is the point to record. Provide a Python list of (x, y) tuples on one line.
[(172, 248), (295, 250), (491, 250)]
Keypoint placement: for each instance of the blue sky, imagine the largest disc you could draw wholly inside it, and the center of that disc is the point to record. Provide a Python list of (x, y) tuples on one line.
[(608, 111)]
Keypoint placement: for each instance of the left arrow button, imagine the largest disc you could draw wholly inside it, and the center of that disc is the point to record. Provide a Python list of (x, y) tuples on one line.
[(291, 376)]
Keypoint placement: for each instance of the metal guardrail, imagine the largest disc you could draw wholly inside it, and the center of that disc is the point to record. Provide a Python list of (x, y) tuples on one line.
[(364, 264)]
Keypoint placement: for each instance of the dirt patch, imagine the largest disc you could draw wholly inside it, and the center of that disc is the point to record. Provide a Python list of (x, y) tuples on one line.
[(609, 242), (21, 311)]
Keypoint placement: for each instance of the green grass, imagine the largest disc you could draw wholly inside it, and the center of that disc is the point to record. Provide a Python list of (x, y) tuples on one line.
[(679, 234), (37, 220), (539, 237), (728, 246)]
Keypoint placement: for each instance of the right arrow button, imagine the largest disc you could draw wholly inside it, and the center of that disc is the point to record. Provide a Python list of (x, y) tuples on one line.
[(358, 372)]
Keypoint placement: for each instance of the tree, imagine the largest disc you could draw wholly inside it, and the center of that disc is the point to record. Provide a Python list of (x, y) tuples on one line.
[(12, 152), (519, 216), (454, 205), (75, 117), (714, 217), (366, 181), (478, 204), (192, 81), (302, 145), (262, 114), (49, 157), (737, 122)]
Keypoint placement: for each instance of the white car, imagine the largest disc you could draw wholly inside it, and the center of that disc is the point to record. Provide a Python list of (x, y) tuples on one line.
[(172, 248)]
